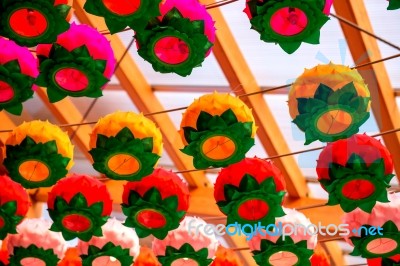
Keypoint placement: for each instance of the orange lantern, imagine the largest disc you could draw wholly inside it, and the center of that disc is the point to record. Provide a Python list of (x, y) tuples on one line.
[(38, 154), (217, 130)]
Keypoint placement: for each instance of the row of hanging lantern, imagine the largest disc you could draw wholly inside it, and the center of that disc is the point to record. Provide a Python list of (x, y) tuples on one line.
[(217, 130)]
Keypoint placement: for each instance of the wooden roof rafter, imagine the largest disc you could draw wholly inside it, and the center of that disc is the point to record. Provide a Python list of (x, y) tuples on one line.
[(364, 46)]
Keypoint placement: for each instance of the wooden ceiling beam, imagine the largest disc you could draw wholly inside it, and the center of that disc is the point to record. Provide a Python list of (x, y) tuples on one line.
[(142, 95), (67, 113), (363, 46), (241, 80)]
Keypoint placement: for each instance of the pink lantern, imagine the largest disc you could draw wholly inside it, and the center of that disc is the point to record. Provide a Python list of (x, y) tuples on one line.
[(35, 244), (179, 39), (290, 241), (288, 23), (119, 245), (80, 62), (375, 234), (190, 244), (18, 71)]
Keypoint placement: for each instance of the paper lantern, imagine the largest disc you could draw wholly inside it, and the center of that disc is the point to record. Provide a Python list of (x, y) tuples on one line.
[(146, 258), (393, 4), (329, 102), (355, 172), (79, 63), (189, 244), (38, 154), (217, 130), (288, 22), (250, 191), (18, 70), (79, 205), (30, 23), (14, 205), (285, 243), (120, 14), (71, 258), (125, 146), (226, 257), (393, 261), (179, 39), (4, 256), (320, 257), (156, 204), (119, 245), (35, 244), (384, 241)]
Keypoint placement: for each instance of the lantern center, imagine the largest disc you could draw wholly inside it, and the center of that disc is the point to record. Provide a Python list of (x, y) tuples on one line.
[(28, 22), (76, 223), (122, 7), (288, 21), (253, 209), (34, 171), (106, 260), (381, 245), (218, 148), (6, 92), (123, 164), (71, 79), (184, 262), (171, 50), (283, 258), (32, 261), (334, 122), (151, 218), (358, 189)]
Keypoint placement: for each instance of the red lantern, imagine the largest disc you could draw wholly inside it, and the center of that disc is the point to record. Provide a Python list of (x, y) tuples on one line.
[(30, 23), (392, 261), (156, 204), (320, 258), (79, 205), (356, 172), (14, 205), (249, 191)]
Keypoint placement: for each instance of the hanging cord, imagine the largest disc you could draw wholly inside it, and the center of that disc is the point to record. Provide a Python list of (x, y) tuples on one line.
[(93, 103)]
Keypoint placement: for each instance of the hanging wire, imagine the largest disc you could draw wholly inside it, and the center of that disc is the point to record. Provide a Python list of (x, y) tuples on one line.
[(93, 103), (348, 22)]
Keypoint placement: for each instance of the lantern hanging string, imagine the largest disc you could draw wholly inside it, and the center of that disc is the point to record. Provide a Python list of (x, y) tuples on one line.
[(242, 95)]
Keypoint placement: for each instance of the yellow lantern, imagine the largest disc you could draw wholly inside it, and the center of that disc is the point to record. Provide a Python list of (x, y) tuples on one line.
[(125, 146), (217, 130), (38, 154)]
